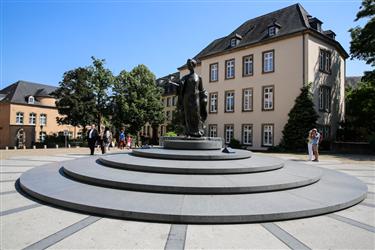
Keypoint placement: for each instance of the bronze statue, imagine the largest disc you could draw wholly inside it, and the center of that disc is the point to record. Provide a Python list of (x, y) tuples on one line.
[(192, 101)]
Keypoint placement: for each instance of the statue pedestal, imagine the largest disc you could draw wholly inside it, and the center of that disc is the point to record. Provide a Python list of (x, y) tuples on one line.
[(192, 143)]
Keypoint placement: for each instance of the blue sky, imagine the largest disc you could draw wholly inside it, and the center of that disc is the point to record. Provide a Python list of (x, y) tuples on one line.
[(40, 40)]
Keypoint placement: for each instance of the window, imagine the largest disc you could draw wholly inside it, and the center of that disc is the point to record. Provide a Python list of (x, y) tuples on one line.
[(214, 72), (169, 101), (325, 131), (31, 100), (229, 69), (268, 61), (248, 65), (42, 136), (325, 99), (234, 42), (212, 130), (229, 101), (168, 115), (228, 132), (43, 119), (267, 134), (325, 61), (271, 31), (213, 102), (247, 134), (32, 118), (174, 102), (19, 118), (268, 98), (247, 99)]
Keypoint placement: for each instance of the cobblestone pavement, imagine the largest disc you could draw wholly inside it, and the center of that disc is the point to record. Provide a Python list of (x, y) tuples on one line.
[(25, 223)]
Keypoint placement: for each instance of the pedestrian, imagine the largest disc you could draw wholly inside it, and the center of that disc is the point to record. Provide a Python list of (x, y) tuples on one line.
[(122, 139), (92, 138), (315, 143), (129, 142), (309, 145), (107, 138)]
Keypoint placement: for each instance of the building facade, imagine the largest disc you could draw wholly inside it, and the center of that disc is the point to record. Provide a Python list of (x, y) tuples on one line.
[(28, 115), (254, 75)]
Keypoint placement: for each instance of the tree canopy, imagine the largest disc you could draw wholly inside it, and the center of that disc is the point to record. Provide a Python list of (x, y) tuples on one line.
[(302, 118), (362, 45)]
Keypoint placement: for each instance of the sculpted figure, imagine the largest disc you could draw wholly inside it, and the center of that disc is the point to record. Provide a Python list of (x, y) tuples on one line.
[(192, 101)]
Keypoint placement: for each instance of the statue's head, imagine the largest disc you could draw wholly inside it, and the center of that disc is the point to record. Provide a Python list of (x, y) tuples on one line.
[(191, 63)]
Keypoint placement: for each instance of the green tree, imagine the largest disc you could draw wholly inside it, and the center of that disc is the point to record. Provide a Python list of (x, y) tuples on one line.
[(176, 123), (136, 99), (362, 45), (82, 97), (302, 118)]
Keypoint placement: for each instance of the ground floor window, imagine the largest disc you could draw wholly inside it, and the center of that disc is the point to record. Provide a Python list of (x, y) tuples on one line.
[(212, 130), (267, 134), (228, 132), (42, 136), (247, 134)]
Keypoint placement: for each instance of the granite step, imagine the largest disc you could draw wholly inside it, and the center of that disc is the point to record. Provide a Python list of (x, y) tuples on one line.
[(136, 163), (334, 191), (293, 175)]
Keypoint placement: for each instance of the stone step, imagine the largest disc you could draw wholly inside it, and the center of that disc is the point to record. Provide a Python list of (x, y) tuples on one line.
[(334, 191), (292, 175), (200, 155), (247, 165)]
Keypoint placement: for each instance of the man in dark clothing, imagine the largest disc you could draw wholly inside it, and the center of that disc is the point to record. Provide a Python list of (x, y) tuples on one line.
[(92, 137)]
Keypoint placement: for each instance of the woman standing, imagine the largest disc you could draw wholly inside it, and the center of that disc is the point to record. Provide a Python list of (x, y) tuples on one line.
[(309, 145)]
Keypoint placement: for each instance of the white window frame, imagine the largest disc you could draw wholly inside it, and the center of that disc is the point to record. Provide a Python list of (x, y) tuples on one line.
[(19, 118), (229, 69), (31, 100), (272, 31), (268, 61), (268, 98), (214, 72), (228, 133), (229, 101), (248, 65), (43, 119), (213, 102), (247, 102), (247, 134), (212, 130), (267, 134), (32, 118)]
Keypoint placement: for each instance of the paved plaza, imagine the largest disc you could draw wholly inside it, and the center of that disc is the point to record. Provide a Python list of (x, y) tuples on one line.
[(25, 223)]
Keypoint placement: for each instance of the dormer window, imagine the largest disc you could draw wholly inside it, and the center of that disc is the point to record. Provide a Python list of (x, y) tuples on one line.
[(273, 28), (31, 100), (316, 24), (235, 40)]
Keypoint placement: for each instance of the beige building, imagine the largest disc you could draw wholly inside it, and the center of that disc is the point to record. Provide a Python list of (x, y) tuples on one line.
[(254, 75), (28, 114)]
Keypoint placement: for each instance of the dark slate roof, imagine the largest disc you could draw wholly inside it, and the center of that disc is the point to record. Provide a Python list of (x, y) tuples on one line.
[(20, 91), (291, 19), (169, 89)]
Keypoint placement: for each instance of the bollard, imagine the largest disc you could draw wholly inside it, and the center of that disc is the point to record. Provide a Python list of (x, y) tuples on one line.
[(24, 147), (57, 146), (68, 145), (77, 146), (15, 148), (6, 148), (34, 147), (45, 146)]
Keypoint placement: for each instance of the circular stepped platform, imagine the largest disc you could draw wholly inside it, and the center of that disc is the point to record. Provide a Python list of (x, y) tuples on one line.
[(199, 155), (291, 176), (247, 165), (334, 191)]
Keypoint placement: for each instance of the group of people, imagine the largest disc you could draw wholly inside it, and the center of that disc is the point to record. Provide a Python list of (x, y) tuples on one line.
[(105, 139), (313, 141)]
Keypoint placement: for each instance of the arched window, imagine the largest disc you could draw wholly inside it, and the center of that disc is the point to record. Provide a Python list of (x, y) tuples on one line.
[(31, 100)]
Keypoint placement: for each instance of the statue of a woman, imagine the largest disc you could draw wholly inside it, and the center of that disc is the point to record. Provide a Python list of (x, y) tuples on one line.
[(192, 101)]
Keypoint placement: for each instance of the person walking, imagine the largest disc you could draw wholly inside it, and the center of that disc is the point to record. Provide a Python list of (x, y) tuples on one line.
[(309, 145), (129, 141), (107, 138), (122, 140), (92, 138), (315, 143)]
